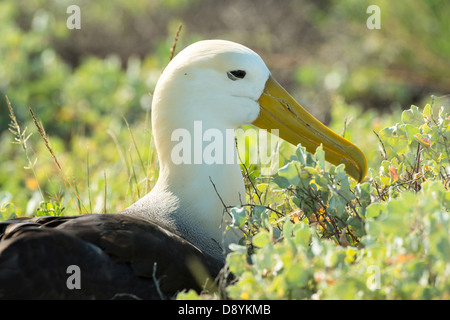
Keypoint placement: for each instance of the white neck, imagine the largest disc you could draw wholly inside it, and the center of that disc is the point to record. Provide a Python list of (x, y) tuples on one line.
[(189, 198)]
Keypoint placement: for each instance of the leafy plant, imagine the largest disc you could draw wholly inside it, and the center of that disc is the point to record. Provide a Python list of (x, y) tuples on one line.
[(385, 238), (50, 209), (419, 150)]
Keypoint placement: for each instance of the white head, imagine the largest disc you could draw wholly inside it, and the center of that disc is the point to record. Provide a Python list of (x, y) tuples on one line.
[(217, 82)]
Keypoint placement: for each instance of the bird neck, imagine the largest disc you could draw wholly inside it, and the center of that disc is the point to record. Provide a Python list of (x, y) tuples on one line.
[(192, 192)]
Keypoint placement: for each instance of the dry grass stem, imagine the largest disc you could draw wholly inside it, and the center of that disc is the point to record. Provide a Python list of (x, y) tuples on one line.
[(21, 138), (66, 181), (175, 40)]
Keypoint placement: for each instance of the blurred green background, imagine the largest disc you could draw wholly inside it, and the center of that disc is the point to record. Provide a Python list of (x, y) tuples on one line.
[(83, 84)]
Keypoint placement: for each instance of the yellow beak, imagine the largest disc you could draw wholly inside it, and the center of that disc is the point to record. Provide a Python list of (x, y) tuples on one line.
[(280, 111)]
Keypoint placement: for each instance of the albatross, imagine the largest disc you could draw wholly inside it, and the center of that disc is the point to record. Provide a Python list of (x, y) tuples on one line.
[(176, 237)]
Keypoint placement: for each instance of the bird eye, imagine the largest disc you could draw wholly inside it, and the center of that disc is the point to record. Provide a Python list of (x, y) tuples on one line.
[(236, 74)]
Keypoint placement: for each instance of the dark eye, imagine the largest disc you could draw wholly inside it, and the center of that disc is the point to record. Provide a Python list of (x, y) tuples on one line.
[(236, 74)]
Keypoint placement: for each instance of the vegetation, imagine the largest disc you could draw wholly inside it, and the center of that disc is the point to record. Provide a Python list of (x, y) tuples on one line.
[(311, 231), (326, 237)]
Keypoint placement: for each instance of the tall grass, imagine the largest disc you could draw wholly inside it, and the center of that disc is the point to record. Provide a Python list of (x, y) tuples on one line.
[(140, 179)]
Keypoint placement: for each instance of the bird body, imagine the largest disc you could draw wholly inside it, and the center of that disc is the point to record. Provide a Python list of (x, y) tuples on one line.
[(110, 251), (176, 236)]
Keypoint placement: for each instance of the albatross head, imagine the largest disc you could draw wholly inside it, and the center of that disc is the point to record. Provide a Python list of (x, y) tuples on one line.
[(219, 85), (216, 82)]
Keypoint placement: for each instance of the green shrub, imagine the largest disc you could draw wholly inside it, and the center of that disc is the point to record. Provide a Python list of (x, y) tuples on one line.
[(385, 238)]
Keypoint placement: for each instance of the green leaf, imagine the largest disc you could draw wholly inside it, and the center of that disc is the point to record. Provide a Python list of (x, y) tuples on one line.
[(282, 182), (302, 234), (336, 205), (239, 216), (427, 112), (412, 116), (304, 157), (321, 180), (445, 199), (290, 172), (301, 154), (424, 139), (320, 156), (190, 295), (396, 138), (237, 262), (375, 209), (411, 131), (357, 226), (288, 227), (7, 209), (350, 254), (261, 239), (237, 248), (363, 193), (297, 276), (259, 212)]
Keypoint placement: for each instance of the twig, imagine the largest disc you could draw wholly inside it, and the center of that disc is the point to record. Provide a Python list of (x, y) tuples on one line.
[(417, 167), (215, 189), (434, 98), (88, 179), (251, 205), (384, 154), (346, 200), (225, 207), (155, 281), (247, 174), (127, 296)]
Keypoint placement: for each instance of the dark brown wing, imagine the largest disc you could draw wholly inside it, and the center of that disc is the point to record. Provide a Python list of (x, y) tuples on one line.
[(117, 256)]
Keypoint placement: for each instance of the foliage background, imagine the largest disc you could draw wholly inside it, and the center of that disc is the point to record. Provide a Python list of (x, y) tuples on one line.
[(91, 89)]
